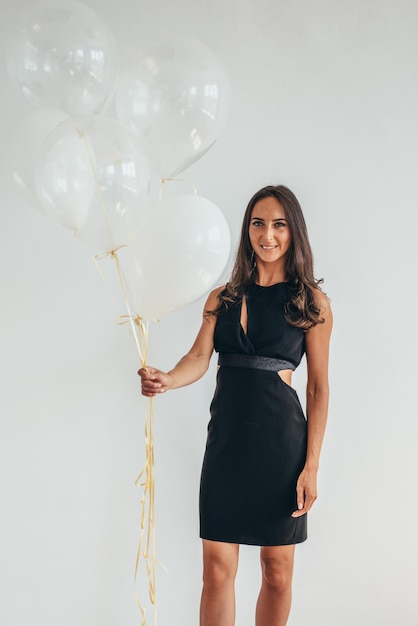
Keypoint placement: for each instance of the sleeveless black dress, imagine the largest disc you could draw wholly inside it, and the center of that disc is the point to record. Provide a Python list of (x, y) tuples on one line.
[(256, 444)]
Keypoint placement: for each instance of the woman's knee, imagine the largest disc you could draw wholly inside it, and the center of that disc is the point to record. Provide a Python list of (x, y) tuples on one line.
[(277, 572), (219, 564)]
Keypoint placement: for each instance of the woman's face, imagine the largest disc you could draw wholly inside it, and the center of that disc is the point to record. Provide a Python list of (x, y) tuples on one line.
[(269, 231)]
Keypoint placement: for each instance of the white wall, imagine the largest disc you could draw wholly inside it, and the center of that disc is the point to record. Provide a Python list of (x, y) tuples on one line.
[(325, 100)]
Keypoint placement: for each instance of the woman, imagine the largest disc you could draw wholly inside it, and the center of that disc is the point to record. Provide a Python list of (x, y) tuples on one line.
[(259, 472)]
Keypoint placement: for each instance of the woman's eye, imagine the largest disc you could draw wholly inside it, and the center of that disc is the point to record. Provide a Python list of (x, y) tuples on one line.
[(256, 223), (280, 224)]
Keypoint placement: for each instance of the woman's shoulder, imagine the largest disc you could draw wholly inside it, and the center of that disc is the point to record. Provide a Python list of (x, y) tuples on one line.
[(218, 290), (324, 304), (322, 298), (212, 301)]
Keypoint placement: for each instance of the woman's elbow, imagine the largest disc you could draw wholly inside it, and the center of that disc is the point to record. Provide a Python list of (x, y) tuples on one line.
[(317, 390)]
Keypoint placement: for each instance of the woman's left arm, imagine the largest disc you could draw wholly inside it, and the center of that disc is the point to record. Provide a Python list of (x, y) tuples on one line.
[(317, 394)]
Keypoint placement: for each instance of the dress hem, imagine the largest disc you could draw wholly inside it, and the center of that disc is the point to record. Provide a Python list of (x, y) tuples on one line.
[(242, 541)]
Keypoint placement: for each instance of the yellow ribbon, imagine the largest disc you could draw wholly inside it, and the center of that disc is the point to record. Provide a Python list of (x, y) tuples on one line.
[(146, 546), (139, 331)]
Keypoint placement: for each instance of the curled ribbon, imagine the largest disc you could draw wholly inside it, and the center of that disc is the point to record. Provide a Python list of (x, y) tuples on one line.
[(139, 331), (146, 546)]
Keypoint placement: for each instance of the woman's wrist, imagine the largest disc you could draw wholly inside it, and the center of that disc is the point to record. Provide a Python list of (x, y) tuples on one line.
[(312, 464)]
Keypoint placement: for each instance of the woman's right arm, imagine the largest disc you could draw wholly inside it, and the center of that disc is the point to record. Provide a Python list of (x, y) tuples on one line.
[(193, 365)]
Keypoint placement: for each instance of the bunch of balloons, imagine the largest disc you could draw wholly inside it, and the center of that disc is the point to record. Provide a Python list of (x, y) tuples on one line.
[(91, 173)]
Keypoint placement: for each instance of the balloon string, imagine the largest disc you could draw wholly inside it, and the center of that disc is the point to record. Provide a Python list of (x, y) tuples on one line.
[(170, 180), (147, 545), (140, 335), (141, 339)]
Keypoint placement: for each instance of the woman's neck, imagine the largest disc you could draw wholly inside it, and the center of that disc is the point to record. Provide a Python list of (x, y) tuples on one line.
[(266, 278)]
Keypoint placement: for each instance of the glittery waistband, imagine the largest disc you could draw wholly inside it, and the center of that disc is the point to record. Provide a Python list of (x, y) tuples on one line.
[(254, 361)]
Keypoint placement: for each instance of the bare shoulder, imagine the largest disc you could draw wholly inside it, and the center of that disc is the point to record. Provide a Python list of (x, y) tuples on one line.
[(324, 305), (212, 301), (217, 290)]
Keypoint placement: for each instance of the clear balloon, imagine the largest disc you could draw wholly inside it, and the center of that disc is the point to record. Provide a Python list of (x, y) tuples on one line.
[(175, 95), (26, 137), (63, 56), (179, 253), (93, 178)]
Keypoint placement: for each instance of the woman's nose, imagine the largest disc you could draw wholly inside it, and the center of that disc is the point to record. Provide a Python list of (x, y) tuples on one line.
[(269, 234)]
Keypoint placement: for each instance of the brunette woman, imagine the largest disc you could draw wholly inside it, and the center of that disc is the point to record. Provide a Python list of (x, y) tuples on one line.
[(259, 475)]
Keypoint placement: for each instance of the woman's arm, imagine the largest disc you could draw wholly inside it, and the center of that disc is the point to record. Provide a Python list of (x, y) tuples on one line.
[(193, 365), (317, 394)]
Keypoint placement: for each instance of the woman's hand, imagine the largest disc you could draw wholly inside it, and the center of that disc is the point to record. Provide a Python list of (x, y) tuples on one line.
[(306, 491), (153, 381)]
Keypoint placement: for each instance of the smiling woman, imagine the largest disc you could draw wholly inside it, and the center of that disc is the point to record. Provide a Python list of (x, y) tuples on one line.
[(296, 264), (259, 472)]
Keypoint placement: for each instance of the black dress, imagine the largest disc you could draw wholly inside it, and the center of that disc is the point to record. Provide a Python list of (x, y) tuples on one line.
[(256, 444)]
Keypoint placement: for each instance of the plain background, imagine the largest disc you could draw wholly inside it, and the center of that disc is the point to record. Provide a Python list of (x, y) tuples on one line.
[(324, 100)]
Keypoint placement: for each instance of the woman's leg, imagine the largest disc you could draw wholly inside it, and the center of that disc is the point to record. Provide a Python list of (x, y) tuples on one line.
[(273, 605), (220, 563)]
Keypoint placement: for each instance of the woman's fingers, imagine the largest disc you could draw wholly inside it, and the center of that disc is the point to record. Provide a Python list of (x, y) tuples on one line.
[(305, 495), (151, 381), (305, 506), (300, 499), (147, 372)]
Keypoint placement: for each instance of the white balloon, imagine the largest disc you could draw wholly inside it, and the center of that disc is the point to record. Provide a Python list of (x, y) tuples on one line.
[(63, 56), (63, 177), (93, 178), (175, 96), (26, 137), (178, 255)]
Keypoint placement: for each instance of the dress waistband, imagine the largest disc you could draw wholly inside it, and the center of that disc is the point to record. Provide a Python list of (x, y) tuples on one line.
[(254, 361)]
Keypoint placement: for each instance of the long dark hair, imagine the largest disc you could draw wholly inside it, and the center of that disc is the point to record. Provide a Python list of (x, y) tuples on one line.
[(303, 310)]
